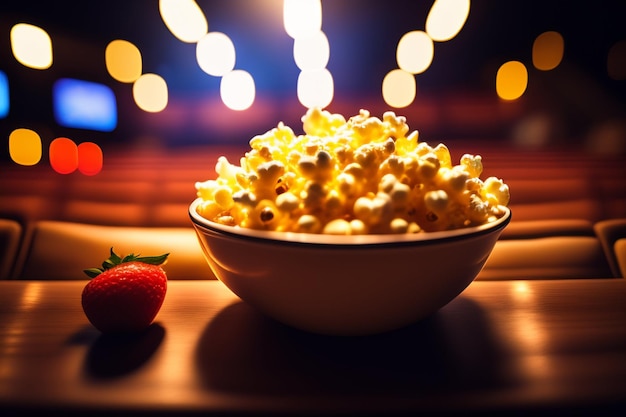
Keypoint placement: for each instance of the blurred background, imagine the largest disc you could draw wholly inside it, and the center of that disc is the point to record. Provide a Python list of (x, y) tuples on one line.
[(563, 63), (110, 112)]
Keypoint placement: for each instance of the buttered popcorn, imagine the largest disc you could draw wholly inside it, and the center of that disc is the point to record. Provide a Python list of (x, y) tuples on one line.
[(360, 176)]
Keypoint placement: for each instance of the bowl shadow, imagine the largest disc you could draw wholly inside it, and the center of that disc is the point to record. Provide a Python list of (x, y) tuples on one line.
[(242, 351)]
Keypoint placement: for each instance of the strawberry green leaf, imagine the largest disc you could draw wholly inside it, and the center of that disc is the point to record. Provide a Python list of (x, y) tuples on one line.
[(114, 260), (153, 260), (92, 272)]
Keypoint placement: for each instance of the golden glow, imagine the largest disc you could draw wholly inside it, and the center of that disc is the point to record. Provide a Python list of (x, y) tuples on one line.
[(89, 158), (31, 297), (150, 93), (527, 330), (616, 61), (31, 46), (548, 50), (237, 90), (215, 54), (25, 147), (123, 61), (521, 291), (63, 155), (184, 19), (415, 52), (315, 88), (302, 18), (511, 80), (446, 19), (311, 53), (399, 88)]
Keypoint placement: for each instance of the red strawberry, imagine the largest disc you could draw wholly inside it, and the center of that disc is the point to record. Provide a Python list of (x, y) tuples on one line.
[(126, 294)]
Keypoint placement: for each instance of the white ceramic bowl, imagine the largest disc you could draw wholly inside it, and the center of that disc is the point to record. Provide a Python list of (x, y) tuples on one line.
[(345, 285)]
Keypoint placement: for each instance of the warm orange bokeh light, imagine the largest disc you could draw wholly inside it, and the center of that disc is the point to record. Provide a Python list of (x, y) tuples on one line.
[(123, 61), (511, 80), (548, 50), (63, 155), (89, 158), (616, 61), (25, 147)]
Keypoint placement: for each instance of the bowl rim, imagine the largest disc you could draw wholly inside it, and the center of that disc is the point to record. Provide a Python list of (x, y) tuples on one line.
[(345, 241)]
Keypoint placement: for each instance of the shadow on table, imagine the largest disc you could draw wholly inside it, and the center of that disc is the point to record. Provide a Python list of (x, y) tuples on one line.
[(242, 351), (116, 355)]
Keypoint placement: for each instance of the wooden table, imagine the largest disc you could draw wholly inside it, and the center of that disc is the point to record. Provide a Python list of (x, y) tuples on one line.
[(546, 347)]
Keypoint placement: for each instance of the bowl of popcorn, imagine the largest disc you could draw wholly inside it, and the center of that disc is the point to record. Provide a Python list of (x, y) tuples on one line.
[(352, 228)]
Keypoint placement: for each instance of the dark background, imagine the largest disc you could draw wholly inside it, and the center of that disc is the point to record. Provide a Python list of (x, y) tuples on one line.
[(565, 105)]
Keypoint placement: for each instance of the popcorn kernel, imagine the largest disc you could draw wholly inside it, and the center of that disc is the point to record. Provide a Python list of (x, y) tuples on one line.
[(355, 176)]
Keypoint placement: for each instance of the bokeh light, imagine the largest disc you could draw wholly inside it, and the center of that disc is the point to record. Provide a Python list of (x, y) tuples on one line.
[(302, 18), (548, 50), (312, 52), (63, 154), (89, 158), (184, 19), (25, 147), (150, 93), (84, 105), (511, 80), (315, 88), (415, 52), (399, 88), (237, 90), (616, 61), (215, 54), (446, 19), (5, 102), (31, 46), (123, 61)]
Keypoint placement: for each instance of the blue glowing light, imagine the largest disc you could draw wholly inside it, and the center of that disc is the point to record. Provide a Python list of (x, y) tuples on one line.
[(4, 95), (84, 105)]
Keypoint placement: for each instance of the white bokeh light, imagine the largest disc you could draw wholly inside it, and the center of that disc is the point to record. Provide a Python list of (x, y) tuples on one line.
[(215, 54), (302, 18), (415, 52), (150, 93), (312, 52), (399, 88), (184, 19), (237, 90), (31, 46), (446, 19), (315, 88)]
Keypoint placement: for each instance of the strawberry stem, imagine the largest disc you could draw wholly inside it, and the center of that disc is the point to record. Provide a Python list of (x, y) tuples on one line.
[(115, 260)]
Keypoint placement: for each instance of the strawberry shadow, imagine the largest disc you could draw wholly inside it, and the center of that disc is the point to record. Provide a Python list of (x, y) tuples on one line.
[(116, 355)]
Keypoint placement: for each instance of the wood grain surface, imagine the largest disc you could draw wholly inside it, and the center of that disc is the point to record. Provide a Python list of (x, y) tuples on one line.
[(553, 347)]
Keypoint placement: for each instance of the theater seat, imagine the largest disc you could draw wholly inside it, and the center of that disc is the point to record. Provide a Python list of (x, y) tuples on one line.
[(530, 229), (10, 238), (61, 250), (558, 257), (620, 255), (609, 232)]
